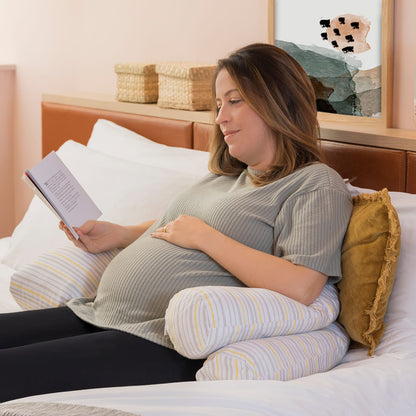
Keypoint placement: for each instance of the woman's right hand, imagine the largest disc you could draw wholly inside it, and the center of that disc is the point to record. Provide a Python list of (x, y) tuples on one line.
[(96, 236)]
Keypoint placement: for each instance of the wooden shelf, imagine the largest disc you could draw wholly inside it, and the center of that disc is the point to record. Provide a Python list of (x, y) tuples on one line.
[(369, 135), (347, 132)]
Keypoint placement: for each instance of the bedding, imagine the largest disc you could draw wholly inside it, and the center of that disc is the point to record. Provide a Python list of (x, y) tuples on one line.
[(370, 254), (257, 334), (7, 302), (383, 385), (359, 385), (58, 275), (53, 409), (201, 320), (284, 357), (4, 247), (134, 147)]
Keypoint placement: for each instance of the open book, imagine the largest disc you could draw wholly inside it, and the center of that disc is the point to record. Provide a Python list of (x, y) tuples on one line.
[(57, 187)]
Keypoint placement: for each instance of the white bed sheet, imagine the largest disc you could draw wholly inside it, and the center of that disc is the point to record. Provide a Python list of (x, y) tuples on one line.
[(383, 385)]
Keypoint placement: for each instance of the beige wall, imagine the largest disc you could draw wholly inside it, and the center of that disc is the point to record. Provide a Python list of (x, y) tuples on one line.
[(404, 64), (6, 151), (72, 45)]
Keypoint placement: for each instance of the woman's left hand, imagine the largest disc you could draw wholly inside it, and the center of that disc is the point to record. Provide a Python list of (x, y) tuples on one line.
[(185, 231)]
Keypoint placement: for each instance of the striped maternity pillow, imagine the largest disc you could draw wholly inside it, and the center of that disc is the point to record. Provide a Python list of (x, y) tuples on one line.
[(278, 358), (59, 275), (201, 320)]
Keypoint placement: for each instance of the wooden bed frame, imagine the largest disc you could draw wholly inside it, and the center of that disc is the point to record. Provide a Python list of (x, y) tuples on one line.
[(366, 166)]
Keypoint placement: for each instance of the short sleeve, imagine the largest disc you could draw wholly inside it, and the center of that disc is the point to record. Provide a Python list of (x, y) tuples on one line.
[(310, 229)]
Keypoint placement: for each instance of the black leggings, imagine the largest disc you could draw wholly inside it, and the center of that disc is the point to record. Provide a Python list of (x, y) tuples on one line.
[(52, 350)]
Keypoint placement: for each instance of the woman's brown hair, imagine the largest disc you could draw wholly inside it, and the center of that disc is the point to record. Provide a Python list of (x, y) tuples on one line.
[(277, 88)]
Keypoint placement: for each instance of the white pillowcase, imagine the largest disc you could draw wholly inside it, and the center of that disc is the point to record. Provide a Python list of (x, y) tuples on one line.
[(7, 302), (4, 247), (278, 358), (126, 192), (117, 141), (59, 275), (201, 320)]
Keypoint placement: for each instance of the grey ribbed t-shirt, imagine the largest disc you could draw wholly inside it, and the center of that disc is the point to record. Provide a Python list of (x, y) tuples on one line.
[(301, 217)]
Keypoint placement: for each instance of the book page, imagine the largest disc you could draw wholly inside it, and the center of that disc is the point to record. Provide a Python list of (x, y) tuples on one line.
[(63, 192)]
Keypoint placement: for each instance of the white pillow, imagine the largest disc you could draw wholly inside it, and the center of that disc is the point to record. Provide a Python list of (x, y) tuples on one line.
[(126, 193), (117, 141), (400, 318), (59, 275), (279, 358), (201, 320), (4, 247), (7, 302)]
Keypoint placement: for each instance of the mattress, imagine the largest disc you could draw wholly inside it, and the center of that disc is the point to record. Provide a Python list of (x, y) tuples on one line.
[(383, 385)]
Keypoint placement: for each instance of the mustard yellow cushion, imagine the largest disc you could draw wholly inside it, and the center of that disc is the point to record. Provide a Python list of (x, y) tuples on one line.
[(370, 254)]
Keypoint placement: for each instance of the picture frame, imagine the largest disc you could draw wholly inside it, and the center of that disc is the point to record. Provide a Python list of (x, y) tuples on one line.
[(362, 94)]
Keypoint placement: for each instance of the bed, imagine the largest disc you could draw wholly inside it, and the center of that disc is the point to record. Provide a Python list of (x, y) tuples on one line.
[(169, 155)]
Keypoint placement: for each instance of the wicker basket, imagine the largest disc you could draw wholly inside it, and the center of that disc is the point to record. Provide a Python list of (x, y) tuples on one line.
[(137, 82), (185, 85)]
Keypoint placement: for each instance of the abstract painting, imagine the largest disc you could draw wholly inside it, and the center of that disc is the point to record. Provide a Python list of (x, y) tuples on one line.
[(339, 44)]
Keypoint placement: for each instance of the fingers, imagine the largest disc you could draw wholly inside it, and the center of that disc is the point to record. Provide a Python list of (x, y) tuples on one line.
[(65, 229), (165, 229), (164, 233), (160, 233), (78, 243), (87, 227)]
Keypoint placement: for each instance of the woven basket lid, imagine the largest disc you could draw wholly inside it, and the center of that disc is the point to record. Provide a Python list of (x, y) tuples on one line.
[(135, 68), (189, 70)]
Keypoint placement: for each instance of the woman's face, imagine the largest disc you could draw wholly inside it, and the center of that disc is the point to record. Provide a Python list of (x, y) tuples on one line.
[(248, 137)]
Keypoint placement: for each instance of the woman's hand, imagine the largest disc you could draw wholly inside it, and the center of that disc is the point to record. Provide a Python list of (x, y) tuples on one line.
[(95, 236), (254, 268), (185, 231)]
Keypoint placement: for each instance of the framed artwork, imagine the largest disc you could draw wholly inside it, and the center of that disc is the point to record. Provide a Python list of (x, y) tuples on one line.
[(346, 48)]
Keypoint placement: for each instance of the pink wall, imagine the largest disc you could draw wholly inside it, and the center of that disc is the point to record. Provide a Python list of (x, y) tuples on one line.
[(72, 45), (6, 162), (404, 64)]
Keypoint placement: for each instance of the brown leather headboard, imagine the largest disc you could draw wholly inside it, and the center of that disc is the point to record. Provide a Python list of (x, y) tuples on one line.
[(62, 122), (411, 173), (365, 166)]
